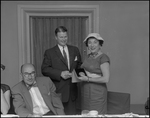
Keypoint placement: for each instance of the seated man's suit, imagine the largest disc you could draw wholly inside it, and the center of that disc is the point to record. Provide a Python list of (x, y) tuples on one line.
[(23, 101)]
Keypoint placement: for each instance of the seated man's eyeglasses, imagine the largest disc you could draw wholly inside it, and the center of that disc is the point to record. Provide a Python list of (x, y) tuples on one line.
[(27, 74)]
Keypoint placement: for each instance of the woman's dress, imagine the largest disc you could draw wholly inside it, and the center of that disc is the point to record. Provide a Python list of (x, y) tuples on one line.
[(94, 95)]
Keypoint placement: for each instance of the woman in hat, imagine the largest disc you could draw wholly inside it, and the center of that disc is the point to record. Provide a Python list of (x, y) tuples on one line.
[(5, 96), (96, 66)]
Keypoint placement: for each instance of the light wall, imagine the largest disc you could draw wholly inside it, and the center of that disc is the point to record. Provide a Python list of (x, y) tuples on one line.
[(125, 29)]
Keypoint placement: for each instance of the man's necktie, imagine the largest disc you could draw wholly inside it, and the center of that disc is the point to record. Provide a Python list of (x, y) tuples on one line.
[(65, 56)]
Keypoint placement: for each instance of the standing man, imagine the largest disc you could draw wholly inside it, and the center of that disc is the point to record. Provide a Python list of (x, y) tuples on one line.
[(35, 96), (58, 64)]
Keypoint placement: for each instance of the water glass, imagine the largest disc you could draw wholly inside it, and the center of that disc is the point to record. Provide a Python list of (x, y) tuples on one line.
[(93, 113), (85, 113)]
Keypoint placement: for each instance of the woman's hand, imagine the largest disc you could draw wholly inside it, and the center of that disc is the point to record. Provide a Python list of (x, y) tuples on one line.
[(83, 78)]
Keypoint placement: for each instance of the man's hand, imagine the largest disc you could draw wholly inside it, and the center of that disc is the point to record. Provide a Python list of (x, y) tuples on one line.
[(66, 74)]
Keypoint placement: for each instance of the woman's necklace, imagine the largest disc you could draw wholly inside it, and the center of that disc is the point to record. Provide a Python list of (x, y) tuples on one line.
[(94, 55)]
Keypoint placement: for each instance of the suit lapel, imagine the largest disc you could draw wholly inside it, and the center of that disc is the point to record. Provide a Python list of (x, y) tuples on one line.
[(46, 97), (27, 95), (71, 55), (58, 52)]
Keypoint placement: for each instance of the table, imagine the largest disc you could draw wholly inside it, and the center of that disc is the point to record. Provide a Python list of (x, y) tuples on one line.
[(99, 116), (77, 116)]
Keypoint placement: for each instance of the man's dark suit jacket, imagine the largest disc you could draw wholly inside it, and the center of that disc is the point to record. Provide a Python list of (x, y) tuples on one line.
[(54, 63), (22, 100)]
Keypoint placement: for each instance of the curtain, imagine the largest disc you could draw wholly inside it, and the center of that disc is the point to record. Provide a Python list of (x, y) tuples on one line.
[(42, 29), (43, 34)]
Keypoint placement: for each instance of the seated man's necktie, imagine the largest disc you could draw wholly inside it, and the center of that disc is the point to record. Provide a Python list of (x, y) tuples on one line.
[(33, 85)]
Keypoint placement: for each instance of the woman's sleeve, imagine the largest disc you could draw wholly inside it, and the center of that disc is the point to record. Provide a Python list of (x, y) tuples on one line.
[(5, 87), (104, 59)]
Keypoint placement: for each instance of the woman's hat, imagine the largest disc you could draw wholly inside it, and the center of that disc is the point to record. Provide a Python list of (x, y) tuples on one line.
[(95, 35)]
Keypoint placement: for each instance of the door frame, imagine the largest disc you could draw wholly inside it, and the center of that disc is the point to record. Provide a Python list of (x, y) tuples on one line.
[(25, 11)]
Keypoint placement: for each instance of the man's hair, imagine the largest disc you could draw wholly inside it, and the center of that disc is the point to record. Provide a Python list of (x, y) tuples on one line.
[(60, 29), (21, 68)]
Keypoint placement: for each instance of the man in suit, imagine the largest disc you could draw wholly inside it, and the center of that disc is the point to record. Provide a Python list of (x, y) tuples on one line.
[(58, 64), (35, 96)]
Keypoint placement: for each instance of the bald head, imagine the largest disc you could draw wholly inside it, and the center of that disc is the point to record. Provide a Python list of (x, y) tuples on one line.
[(27, 66), (28, 73)]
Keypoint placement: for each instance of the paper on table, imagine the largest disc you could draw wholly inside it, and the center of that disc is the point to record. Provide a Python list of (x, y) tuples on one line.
[(75, 77), (124, 115)]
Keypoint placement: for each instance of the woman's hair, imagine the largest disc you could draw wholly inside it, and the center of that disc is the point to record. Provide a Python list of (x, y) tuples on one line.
[(100, 41), (60, 29), (2, 67)]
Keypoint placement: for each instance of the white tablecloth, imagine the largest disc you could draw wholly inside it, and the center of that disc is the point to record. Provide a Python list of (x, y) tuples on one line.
[(100, 116), (9, 115)]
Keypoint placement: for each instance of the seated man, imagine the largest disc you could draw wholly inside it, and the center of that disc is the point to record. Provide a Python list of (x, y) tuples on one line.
[(35, 96)]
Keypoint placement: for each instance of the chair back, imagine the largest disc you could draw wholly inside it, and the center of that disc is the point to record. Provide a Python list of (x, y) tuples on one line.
[(118, 103)]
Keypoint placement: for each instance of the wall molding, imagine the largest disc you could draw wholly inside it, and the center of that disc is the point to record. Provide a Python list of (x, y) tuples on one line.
[(25, 11)]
